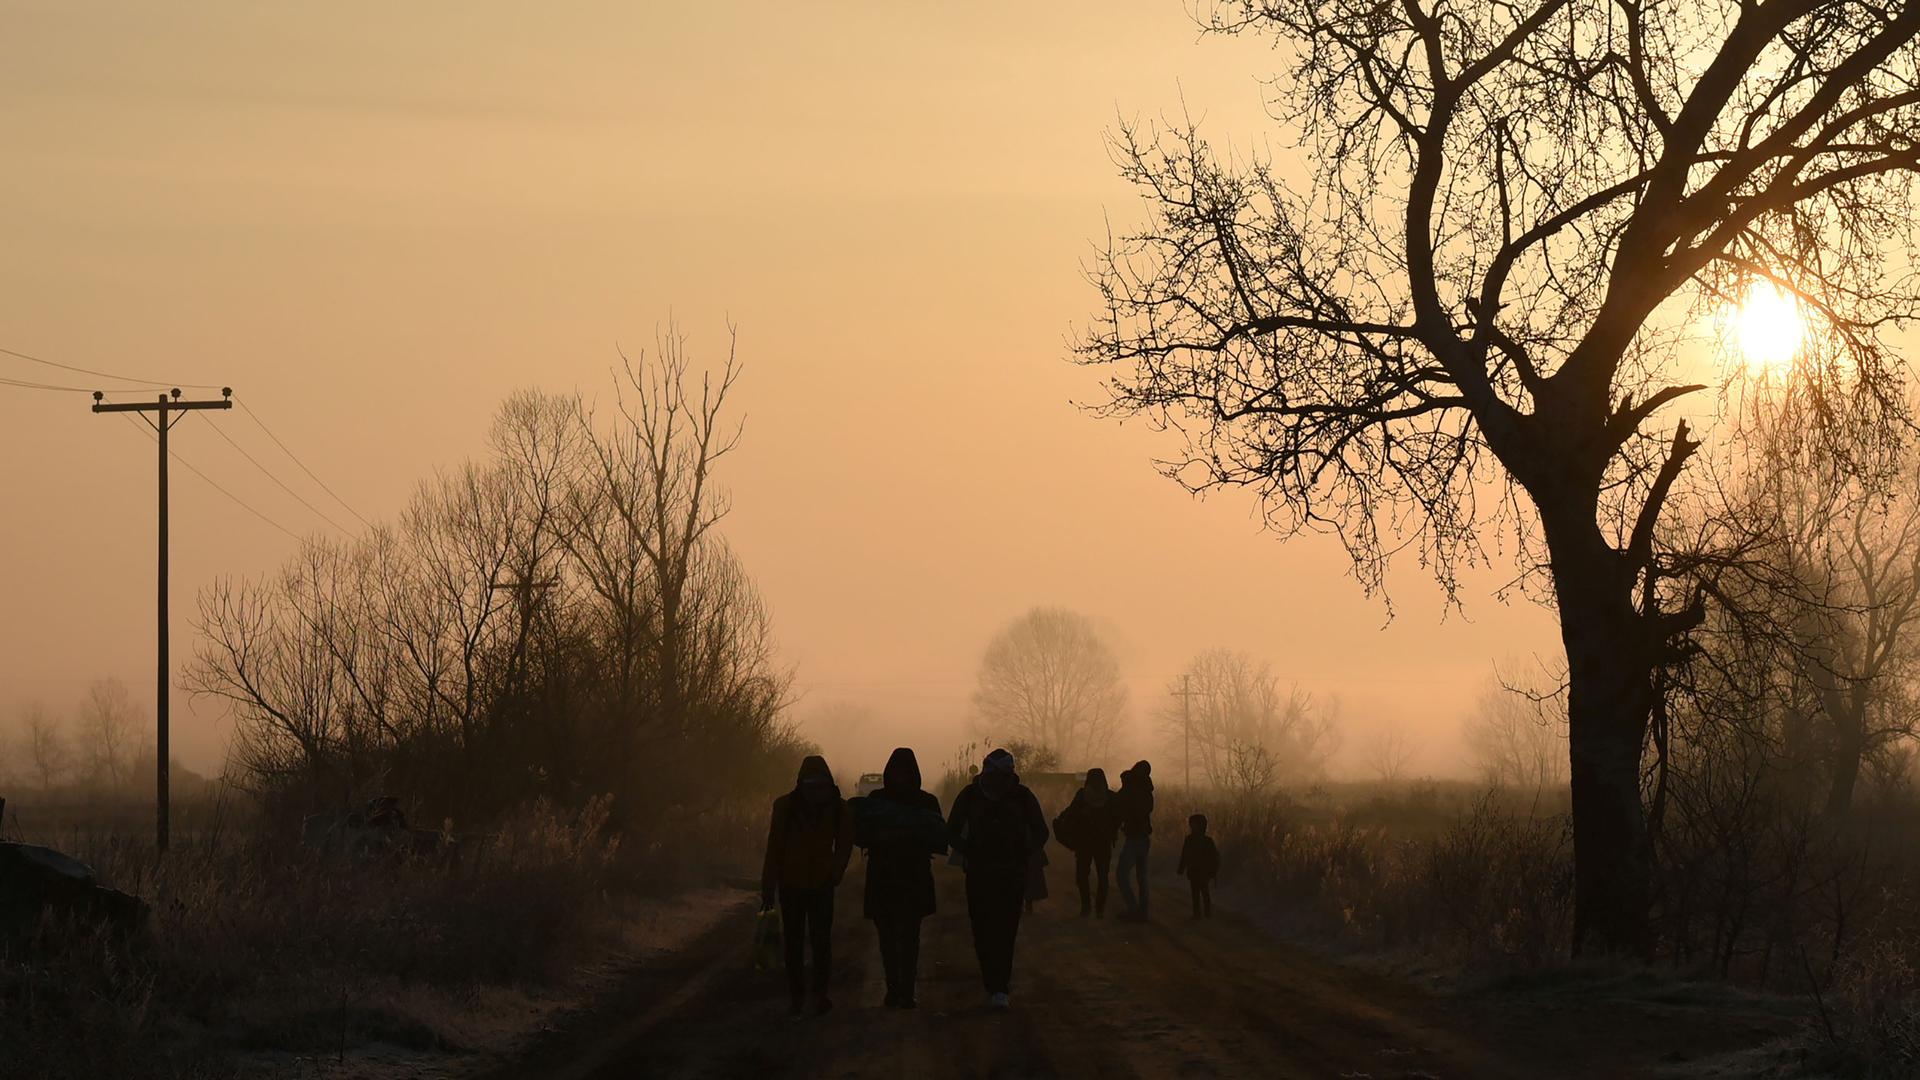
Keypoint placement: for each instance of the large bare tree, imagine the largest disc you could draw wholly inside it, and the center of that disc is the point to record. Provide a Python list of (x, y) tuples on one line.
[(1469, 314), (1049, 679)]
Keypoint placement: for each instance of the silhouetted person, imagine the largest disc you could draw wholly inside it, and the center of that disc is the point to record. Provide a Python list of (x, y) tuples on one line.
[(1200, 862), (996, 825), (1088, 827), (808, 844), (900, 878), (1134, 807)]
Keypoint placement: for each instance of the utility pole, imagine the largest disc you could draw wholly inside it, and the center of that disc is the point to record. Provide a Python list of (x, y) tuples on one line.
[(162, 422), (524, 591), (1186, 726)]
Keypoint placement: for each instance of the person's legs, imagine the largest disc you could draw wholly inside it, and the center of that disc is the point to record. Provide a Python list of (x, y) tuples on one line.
[(1143, 847), (908, 950), (1008, 933), (888, 928), (1133, 873), (1102, 865), (793, 930), (1082, 863), (820, 933), (1003, 899), (1206, 897), (980, 918)]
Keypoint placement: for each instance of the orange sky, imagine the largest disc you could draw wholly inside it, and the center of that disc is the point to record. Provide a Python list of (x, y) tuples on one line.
[(376, 220)]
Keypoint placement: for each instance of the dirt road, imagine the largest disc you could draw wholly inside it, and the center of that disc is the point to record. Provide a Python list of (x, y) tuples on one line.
[(1111, 999)]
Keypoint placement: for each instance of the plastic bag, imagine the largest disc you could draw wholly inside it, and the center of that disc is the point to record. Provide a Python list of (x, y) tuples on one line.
[(766, 941)]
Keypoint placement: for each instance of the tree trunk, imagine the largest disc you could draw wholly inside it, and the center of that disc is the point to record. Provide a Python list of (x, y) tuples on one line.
[(1849, 747), (1610, 696)]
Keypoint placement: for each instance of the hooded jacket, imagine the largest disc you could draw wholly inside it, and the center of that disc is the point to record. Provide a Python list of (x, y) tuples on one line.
[(807, 845), (1134, 801), (997, 835), (1096, 815), (900, 875)]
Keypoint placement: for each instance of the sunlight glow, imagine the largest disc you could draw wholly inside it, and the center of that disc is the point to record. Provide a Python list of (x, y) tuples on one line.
[(1768, 329)]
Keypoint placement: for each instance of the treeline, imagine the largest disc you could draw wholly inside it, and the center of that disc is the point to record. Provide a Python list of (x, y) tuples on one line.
[(1049, 687), (103, 746), (561, 619)]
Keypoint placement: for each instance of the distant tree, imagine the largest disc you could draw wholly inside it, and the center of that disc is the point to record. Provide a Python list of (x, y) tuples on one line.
[(44, 746), (1237, 706), (1814, 641), (1858, 629), (1387, 753), (110, 733), (1050, 680), (1516, 737), (1512, 216)]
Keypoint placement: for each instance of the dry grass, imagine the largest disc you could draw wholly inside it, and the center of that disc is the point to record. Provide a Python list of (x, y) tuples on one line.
[(1481, 882), (258, 947), (1464, 875)]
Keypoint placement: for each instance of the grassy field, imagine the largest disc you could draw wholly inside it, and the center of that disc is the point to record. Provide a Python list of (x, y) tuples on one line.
[(263, 957)]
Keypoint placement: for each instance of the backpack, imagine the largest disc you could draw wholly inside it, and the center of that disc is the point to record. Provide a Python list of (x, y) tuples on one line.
[(1069, 827), (997, 831), (879, 822)]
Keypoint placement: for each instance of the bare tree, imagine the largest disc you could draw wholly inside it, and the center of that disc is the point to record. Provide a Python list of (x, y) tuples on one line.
[(1517, 737), (1388, 752), (109, 732), (560, 619), (1235, 704), (1858, 639), (1049, 679), (45, 747), (1250, 768), (1516, 212)]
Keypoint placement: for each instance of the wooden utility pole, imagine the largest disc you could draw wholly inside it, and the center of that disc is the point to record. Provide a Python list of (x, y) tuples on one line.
[(1186, 726), (525, 591), (164, 408)]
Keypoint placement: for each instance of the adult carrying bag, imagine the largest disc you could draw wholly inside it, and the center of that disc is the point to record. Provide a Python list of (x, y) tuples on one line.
[(766, 941)]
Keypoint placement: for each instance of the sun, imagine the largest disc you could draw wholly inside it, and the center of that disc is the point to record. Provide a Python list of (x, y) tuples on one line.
[(1768, 328)]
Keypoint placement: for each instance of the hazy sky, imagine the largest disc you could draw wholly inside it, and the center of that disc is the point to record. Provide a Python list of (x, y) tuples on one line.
[(374, 221)]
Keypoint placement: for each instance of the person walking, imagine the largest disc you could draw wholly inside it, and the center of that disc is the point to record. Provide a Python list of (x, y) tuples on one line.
[(1088, 827), (899, 889), (996, 826), (809, 842), (1134, 807), (1200, 864)]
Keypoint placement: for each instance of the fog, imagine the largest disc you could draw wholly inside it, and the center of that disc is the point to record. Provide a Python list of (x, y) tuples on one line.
[(375, 223)]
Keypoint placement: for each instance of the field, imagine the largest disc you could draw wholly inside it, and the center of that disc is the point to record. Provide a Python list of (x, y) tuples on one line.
[(1408, 929)]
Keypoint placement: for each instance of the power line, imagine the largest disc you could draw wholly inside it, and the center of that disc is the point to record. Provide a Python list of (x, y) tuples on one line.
[(105, 374), (175, 455), (303, 468), (24, 384), (277, 480), (27, 384), (35, 384)]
